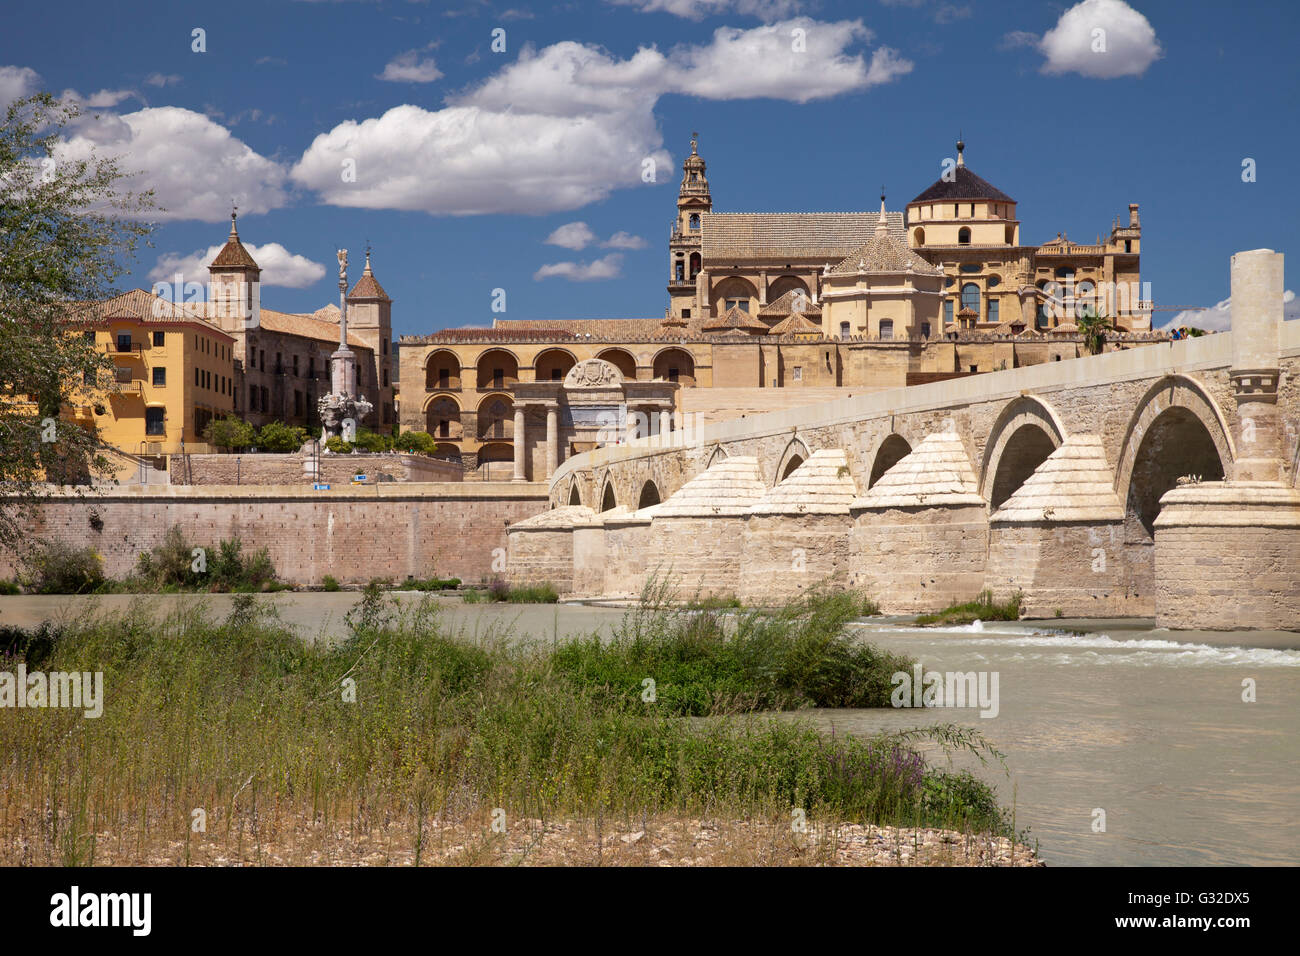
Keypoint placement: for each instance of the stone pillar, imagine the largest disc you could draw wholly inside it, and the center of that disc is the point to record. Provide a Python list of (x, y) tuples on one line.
[(631, 432), (665, 421), (552, 439), (762, 288), (1256, 321), (519, 444)]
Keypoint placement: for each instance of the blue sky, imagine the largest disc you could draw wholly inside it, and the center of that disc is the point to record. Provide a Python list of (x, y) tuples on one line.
[(467, 159)]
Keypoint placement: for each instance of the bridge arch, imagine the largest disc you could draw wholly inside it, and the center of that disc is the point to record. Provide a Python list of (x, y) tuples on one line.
[(1026, 432), (608, 500), (576, 491), (716, 455), (1177, 429), (795, 454), (649, 495), (892, 449)]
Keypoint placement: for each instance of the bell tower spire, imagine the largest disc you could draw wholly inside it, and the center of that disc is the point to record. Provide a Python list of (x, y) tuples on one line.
[(686, 240)]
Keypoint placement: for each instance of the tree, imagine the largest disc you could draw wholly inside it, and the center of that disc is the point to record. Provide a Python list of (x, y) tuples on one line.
[(416, 442), (66, 228), (230, 432), (367, 440), (1093, 328), (277, 436)]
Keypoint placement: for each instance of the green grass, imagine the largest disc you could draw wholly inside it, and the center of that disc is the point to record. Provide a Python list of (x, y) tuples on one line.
[(983, 608), (501, 592), (429, 584), (228, 714), (708, 662)]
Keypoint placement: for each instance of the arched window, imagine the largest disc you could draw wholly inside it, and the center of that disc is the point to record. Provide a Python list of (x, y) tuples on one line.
[(963, 236), (695, 264), (680, 272), (695, 220), (970, 297), (918, 236), (886, 328), (844, 330)]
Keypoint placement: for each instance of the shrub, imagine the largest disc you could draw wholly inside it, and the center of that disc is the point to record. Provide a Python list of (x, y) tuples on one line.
[(230, 432), (330, 583), (170, 565), (52, 567), (338, 446), (418, 443), (9, 587), (279, 437), (983, 608), (366, 440)]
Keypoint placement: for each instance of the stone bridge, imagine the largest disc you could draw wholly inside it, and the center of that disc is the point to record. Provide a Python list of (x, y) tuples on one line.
[(1158, 481)]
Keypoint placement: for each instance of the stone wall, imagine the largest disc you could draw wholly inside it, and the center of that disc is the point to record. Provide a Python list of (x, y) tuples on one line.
[(1079, 570), (701, 555), (917, 559), (353, 533), (275, 469), (785, 555)]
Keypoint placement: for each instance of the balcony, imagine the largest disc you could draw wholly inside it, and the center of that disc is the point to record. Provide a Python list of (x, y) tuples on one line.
[(132, 350)]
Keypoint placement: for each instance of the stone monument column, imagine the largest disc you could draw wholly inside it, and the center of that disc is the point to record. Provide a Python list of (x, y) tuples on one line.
[(519, 444), (665, 421), (1257, 289), (552, 439)]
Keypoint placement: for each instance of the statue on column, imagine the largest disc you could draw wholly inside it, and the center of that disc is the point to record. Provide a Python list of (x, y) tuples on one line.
[(340, 410)]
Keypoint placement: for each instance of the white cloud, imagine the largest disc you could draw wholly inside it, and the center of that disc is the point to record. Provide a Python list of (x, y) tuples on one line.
[(624, 240), (1018, 38), (699, 9), (572, 235), (411, 67), (280, 267), (193, 165), (608, 267), (578, 235), (1101, 39), (566, 125), (162, 79), (950, 12), (17, 82), (1219, 318), (106, 99)]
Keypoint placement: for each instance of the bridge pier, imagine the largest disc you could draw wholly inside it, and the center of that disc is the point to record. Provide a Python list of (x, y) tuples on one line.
[(1228, 552)]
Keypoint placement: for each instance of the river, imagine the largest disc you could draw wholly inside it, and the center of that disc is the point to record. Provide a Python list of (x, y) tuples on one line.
[(1145, 724)]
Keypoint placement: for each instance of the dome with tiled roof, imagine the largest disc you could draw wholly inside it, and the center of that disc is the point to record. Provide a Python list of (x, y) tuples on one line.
[(367, 286), (963, 185), (233, 255)]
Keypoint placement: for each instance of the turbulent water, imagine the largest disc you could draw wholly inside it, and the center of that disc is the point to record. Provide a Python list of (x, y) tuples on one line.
[(1147, 725)]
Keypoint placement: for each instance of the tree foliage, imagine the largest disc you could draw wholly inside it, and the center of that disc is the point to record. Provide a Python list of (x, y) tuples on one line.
[(67, 227), (230, 432)]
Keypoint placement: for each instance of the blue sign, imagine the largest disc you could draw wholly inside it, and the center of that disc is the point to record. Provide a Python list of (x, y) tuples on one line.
[(358, 477), (320, 487)]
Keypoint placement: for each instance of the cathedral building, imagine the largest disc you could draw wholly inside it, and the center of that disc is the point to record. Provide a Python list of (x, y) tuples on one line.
[(771, 310)]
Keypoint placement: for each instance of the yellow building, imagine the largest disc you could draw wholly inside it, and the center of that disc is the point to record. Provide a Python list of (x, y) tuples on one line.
[(173, 372)]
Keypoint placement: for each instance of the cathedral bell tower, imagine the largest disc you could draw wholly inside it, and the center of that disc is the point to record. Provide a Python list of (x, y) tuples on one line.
[(234, 278), (685, 244)]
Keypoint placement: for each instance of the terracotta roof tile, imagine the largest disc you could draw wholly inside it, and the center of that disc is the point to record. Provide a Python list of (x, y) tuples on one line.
[(738, 236)]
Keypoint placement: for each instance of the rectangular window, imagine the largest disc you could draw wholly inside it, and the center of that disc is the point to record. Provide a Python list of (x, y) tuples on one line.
[(295, 365), (153, 422), (993, 310), (196, 378), (159, 339), (159, 377), (925, 330), (311, 366), (797, 373), (498, 378), (947, 311), (297, 403), (252, 398), (686, 313), (124, 341), (266, 402)]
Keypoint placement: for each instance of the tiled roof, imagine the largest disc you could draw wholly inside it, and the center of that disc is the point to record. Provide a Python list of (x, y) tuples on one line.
[(367, 287), (145, 307), (964, 185), (884, 252), (511, 333), (794, 323), (1073, 484), (785, 304), (734, 237), (735, 319), (233, 253), (821, 485)]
